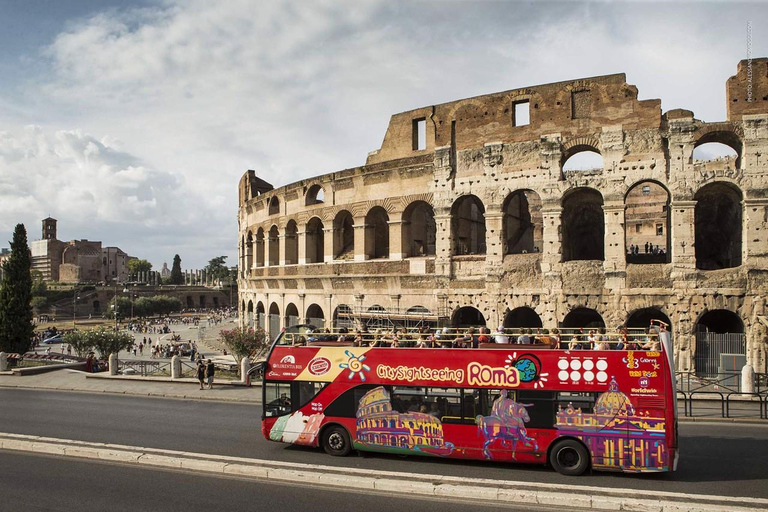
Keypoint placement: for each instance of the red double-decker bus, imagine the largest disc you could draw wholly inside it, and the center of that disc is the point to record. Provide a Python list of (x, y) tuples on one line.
[(571, 409)]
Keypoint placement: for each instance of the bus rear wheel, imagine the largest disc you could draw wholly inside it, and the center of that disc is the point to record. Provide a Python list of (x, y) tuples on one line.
[(336, 441), (569, 457)]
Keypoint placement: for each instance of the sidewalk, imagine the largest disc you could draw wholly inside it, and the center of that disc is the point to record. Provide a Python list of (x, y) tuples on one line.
[(74, 380)]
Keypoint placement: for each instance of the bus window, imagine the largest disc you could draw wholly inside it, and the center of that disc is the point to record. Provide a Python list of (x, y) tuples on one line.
[(540, 406), (277, 398), (345, 405), (444, 403), (408, 399), (308, 391), (583, 401)]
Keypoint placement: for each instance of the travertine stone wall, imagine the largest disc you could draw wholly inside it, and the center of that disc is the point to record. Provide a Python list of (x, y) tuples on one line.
[(474, 148)]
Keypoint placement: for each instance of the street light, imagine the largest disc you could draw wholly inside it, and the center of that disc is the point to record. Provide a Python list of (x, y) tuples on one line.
[(115, 303), (74, 305)]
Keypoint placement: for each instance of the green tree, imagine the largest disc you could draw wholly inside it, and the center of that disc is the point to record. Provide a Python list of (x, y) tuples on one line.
[(107, 341), (245, 342), (39, 303), (218, 269), (39, 288), (123, 308), (80, 341), (176, 275), (16, 329), (136, 266)]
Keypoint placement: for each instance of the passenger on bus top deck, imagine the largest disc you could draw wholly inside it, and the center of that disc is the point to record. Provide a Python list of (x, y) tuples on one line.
[(483, 338), (499, 336), (524, 339)]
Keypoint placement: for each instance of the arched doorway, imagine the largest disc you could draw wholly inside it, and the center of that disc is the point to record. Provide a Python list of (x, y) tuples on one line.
[(248, 254), (641, 318), (274, 206), (291, 314), (291, 243), (315, 316), (720, 344), (274, 320), (314, 241), (718, 223), (419, 230), (315, 195), (377, 233), (583, 225), (522, 317), (468, 316), (274, 246), (261, 318), (646, 232), (344, 236), (250, 319), (468, 226), (260, 247), (583, 317), (582, 158), (718, 145), (343, 318), (523, 227)]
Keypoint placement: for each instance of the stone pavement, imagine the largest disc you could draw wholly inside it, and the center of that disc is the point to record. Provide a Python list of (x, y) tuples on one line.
[(74, 380)]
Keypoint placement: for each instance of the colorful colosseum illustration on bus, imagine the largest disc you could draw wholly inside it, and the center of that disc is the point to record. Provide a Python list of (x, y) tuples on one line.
[(617, 436), (381, 427)]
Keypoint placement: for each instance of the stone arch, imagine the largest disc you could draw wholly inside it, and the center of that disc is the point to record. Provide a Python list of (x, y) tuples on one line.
[(342, 317), (522, 317), (419, 230), (274, 206), (291, 314), (718, 226), (291, 243), (523, 224), (641, 318), (315, 195), (720, 343), (343, 236), (468, 316), (248, 252), (468, 226), (260, 247), (721, 135), (583, 225), (274, 246), (273, 320), (377, 233), (315, 315), (315, 244), (583, 317), (647, 223), (250, 318), (190, 302), (583, 146), (260, 315)]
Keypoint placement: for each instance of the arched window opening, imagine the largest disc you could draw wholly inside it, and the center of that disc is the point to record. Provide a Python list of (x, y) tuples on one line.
[(722, 148), (646, 220), (522, 317), (581, 159), (315, 195), (468, 226), (273, 321), (291, 243), (468, 316), (343, 317), (315, 316), (291, 315), (523, 226), (190, 302), (274, 206), (315, 243), (202, 301), (583, 317), (260, 247), (248, 253), (419, 230), (720, 345), (343, 236), (642, 318), (250, 314), (583, 226), (260, 315), (418, 311), (718, 224), (274, 246), (377, 233)]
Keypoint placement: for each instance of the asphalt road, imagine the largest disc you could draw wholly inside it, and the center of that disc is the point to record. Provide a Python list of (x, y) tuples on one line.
[(716, 458), (34, 483)]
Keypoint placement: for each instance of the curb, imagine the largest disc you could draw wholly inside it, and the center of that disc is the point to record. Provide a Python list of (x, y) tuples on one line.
[(488, 491), (135, 393)]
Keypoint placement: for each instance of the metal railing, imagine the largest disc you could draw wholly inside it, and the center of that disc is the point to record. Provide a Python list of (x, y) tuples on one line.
[(721, 395), (144, 368)]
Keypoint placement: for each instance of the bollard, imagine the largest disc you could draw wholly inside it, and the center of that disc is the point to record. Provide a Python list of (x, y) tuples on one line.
[(113, 364), (747, 379), (3, 362), (175, 367), (245, 367)]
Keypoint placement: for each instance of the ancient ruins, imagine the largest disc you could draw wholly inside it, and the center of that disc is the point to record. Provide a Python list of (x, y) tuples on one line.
[(469, 214)]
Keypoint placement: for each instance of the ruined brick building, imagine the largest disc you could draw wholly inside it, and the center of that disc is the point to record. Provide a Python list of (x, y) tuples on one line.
[(469, 215)]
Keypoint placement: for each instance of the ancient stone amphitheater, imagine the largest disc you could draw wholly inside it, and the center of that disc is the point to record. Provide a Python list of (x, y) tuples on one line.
[(474, 213)]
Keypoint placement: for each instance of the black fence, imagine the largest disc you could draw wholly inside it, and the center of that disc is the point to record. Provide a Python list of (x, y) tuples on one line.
[(721, 396)]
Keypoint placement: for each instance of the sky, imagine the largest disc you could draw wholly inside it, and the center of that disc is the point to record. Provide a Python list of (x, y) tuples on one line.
[(131, 122)]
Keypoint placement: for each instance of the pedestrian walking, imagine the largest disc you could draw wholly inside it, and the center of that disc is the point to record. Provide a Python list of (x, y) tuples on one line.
[(210, 370), (201, 373)]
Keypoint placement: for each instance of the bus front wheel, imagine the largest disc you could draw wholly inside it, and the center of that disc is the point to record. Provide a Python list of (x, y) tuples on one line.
[(336, 441), (569, 457)]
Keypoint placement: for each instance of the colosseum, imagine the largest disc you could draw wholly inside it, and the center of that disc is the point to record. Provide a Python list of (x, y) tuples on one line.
[(472, 213)]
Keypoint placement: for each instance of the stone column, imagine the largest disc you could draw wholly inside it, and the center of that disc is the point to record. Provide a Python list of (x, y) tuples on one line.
[(552, 250), (396, 249), (443, 241), (494, 244), (615, 254), (245, 367), (360, 254), (302, 247), (281, 244), (175, 367), (328, 244), (683, 234), (755, 221), (113, 364)]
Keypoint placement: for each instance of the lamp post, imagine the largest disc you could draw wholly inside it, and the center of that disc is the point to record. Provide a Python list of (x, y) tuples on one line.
[(115, 305), (74, 305)]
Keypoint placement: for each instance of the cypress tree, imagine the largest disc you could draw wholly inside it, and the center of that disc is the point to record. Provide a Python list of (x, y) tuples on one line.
[(176, 277), (16, 329)]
